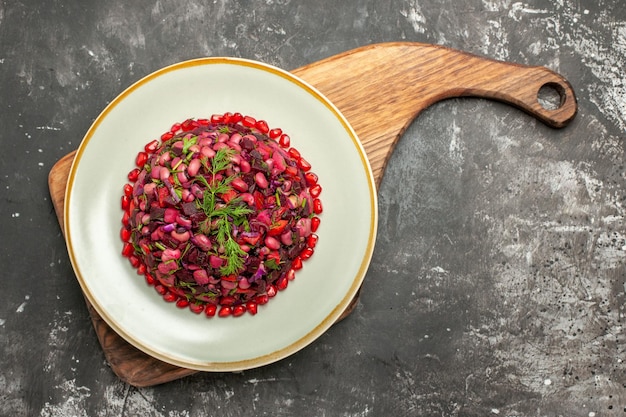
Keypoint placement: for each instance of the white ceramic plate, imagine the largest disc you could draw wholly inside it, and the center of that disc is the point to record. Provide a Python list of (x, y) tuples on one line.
[(322, 289)]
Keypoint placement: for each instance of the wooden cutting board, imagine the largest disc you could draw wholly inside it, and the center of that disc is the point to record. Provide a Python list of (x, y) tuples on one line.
[(380, 89)]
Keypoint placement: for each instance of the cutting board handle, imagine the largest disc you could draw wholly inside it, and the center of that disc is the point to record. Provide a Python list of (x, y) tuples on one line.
[(381, 88)]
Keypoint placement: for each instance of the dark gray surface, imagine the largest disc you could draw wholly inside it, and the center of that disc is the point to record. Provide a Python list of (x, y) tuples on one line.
[(497, 287)]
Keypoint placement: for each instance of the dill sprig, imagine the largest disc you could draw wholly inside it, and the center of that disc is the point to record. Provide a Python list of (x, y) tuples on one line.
[(226, 214)]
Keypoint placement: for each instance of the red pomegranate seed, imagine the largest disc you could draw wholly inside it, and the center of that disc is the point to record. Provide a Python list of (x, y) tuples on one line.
[(311, 241), (161, 289), (210, 310), (133, 175), (134, 261), (315, 223), (303, 164), (125, 219), (261, 126), (262, 299), (217, 118), (311, 178), (175, 128), (275, 133), (170, 297), (141, 159), (188, 125), (125, 234), (251, 306), (150, 280), (125, 202), (294, 153), (315, 190), (141, 269), (182, 303), (271, 291), (196, 308), (282, 283), (128, 190), (284, 141), (166, 136), (291, 274), (238, 310), (151, 147), (248, 121), (306, 253), (317, 206), (128, 249), (225, 311), (296, 263), (236, 118)]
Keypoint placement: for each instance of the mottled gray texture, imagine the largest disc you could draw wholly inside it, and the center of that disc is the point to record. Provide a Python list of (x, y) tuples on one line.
[(497, 286)]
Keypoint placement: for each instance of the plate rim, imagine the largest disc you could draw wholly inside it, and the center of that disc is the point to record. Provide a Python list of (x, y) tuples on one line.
[(313, 333)]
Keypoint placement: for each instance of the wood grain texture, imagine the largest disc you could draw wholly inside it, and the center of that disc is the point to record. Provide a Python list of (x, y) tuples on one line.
[(380, 89)]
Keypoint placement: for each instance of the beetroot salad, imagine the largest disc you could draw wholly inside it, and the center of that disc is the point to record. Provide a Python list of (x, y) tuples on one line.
[(220, 213)]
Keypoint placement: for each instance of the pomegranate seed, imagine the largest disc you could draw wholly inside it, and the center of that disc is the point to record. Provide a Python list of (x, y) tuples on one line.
[(248, 121), (311, 241), (315, 223), (293, 152), (210, 310), (311, 178), (166, 136), (128, 249), (170, 297), (125, 234), (296, 264), (196, 308), (175, 128), (282, 283), (151, 147), (182, 303), (251, 306), (291, 274), (217, 118), (261, 126), (133, 175), (141, 269), (271, 291), (141, 159), (306, 253), (262, 299), (125, 219), (238, 310), (315, 190), (125, 202), (128, 190), (225, 311), (236, 118), (134, 261), (284, 141), (161, 289), (303, 164), (317, 206), (150, 280), (188, 125), (275, 133)]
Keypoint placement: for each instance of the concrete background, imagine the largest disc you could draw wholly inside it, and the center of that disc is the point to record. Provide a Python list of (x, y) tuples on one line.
[(497, 286)]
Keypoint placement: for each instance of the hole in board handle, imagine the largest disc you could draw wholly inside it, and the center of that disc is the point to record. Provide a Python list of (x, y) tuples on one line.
[(551, 96)]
